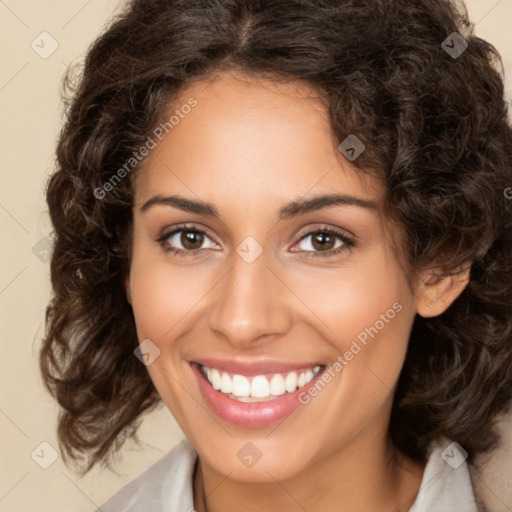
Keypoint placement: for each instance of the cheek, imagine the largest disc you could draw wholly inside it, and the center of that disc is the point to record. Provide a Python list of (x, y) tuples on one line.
[(163, 294), (349, 299), (365, 313)]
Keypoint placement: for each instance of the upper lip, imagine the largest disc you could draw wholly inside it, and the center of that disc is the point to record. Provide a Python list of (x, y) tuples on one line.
[(249, 368)]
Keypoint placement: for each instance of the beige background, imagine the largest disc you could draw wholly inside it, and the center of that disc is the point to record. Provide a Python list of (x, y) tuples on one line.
[(31, 116)]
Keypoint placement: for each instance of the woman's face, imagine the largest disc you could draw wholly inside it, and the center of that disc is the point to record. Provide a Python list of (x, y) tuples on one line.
[(281, 282)]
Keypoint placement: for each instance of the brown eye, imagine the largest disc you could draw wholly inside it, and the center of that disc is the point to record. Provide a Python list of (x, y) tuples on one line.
[(185, 240), (323, 241), (191, 239)]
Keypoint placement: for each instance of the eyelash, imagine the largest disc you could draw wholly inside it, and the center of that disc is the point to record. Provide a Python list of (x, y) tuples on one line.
[(347, 242)]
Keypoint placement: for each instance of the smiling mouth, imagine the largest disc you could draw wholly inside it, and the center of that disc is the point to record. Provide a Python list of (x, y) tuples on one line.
[(258, 388)]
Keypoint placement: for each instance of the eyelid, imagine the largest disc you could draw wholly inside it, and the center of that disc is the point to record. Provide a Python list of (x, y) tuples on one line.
[(344, 233)]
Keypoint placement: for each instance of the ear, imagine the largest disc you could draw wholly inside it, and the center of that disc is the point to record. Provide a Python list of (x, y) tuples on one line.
[(435, 292)]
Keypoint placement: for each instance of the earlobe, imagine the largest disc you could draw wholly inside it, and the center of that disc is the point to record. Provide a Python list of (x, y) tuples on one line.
[(435, 293)]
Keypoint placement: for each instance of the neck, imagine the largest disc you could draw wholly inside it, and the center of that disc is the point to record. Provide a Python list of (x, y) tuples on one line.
[(368, 474)]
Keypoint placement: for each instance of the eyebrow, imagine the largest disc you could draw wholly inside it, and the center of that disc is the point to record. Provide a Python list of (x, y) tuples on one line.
[(290, 210)]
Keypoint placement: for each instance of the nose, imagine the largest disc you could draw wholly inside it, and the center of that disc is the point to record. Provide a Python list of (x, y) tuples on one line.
[(250, 304)]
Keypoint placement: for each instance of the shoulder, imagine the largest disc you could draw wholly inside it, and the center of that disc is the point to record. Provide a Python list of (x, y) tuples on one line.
[(446, 484), (164, 487)]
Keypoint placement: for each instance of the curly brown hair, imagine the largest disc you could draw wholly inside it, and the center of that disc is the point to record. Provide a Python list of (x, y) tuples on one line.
[(435, 129)]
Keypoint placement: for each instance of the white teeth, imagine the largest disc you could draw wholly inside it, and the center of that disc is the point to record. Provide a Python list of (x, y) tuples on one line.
[(241, 386), (250, 399), (277, 386), (290, 382), (215, 379), (226, 386), (258, 388)]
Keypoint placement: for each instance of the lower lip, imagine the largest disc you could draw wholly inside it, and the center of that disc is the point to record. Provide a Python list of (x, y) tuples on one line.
[(248, 414)]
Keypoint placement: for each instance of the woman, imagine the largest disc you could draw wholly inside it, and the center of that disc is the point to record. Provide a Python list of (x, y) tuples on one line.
[(286, 221)]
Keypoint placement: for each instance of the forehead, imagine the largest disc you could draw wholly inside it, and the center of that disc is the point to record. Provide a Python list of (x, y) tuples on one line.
[(249, 137)]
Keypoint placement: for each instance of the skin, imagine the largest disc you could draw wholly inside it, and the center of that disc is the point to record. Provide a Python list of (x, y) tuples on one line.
[(250, 147)]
